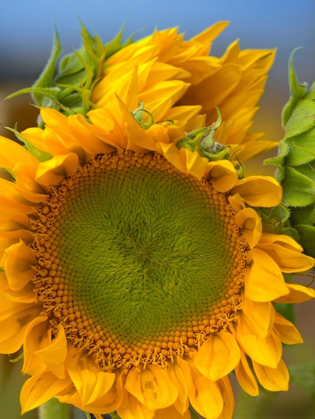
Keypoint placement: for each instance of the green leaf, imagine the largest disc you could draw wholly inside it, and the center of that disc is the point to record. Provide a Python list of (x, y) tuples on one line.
[(291, 232), (279, 161), (297, 90), (307, 238), (40, 155), (302, 148), (303, 376), (286, 310), (298, 190), (307, 170), (274, 219), (305, 215), (47, 75), (53, 409), (302, 118)]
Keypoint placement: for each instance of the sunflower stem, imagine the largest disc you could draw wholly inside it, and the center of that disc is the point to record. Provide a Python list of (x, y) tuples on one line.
[(248, 407), (54, 409)]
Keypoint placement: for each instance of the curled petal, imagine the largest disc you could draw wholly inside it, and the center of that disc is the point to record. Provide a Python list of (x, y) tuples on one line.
[(297, 294), (180, 375), (17, 262), (223, 175), (259, 191), (228, 398), (286, 252), (131, 408), (250, 224), (54, 170)]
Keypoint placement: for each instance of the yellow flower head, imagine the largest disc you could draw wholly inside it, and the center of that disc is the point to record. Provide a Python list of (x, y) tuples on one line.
[(178, 80), (135, 274)]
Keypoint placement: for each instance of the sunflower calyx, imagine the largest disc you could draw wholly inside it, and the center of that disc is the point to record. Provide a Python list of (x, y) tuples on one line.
[(296, 162), (139, 116), (203, 141), (70, 89)]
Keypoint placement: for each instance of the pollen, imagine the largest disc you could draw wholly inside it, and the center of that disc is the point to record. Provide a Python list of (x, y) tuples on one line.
[(139, 262)]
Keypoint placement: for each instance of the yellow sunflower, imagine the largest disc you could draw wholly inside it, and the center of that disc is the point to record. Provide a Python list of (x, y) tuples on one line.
[(178, 80), (136, 275)]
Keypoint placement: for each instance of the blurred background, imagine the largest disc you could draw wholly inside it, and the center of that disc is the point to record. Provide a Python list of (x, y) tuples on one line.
[(26, 34)]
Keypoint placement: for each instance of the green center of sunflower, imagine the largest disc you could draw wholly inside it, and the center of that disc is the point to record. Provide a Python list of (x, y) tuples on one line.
[(145, 254)]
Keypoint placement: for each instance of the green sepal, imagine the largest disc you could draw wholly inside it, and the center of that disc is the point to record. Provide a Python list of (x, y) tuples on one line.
[(18, 358), (50, 92), (303, 376), (279, 160), (40, 155), (307, 238), (274, 219), (46, 78), (297, 90), (302, 148), (287, 277), (138, 115), (298, 190), (302, 118), (203, 141), (286, 310)]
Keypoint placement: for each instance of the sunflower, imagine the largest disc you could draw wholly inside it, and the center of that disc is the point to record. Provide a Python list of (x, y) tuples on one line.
[(178, 80), (137, 275)]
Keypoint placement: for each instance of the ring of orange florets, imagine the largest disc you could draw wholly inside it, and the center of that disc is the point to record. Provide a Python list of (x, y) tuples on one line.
[(81, 331)]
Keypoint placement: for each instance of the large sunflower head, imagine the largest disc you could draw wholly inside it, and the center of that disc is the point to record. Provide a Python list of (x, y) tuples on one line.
[(135, 273)]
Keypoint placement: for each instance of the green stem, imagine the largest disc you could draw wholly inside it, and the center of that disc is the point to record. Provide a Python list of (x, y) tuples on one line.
[(53, 409), (248, 407)]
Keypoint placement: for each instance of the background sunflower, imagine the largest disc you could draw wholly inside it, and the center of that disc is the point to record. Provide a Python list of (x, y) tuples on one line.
[(259, 26)]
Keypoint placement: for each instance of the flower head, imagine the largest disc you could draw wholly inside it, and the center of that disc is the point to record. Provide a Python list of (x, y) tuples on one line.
[(137, 275)]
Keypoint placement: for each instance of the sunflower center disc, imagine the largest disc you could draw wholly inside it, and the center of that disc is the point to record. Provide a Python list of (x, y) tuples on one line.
[(144, 254)]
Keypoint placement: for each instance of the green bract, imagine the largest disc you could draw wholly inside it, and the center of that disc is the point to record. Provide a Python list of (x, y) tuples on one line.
[(296, 164), (69, 91)]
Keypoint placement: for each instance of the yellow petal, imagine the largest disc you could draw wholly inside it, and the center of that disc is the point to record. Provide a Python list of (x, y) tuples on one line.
[(250, 224), (259, 191), (54, 354), (273, 379), (54, 170), (204, 395), (14, 319), (264, 280), (180, 375), (90, 382), (170, 413), (286, 252), (25, 295), (222, 174), (17, 262), (297, 294), (237, 202), (259, 316), (228, 398), (131, 408), (152, 387), (37, 336), (38, 389), (13, 153), (246, 378), (286, 331), (218, 355), (266, 351)]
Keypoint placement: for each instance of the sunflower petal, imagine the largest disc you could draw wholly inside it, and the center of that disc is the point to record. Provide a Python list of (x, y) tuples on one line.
[(297, 294), (218, 355), (54, 170), (259, 191), (180, 375), (131, 408), (246, 378), (152, 387), (273, 379), (250, 224), (264, 280), (286, 331)]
